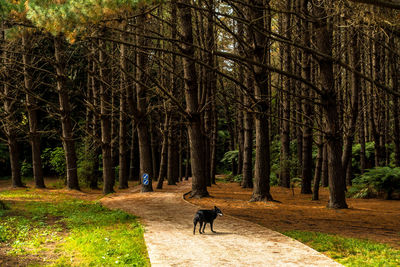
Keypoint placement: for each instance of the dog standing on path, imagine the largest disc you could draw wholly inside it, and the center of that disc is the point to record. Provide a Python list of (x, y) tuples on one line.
[(206, 216)]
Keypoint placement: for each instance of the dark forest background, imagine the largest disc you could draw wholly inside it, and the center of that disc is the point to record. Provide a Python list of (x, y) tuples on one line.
[(269, 92)]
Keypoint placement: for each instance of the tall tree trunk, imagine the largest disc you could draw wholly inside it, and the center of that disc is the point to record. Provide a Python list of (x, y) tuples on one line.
[(105, 121), (248, 123), (187, 165), (164, 154), (307, 163), (154, 148), (196, 138), (329, 103), (143, 125), (134, 155), (9, 110), (286, 85), (376, 108), (171, 162), (318, 168), (34, 136), (65, 113), (261, 190), (355, 85), (395, 99), (95, 122), (123, 172)]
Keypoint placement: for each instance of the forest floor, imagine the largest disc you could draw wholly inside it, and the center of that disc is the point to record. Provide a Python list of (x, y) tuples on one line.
[(168, 221), (374, 219)]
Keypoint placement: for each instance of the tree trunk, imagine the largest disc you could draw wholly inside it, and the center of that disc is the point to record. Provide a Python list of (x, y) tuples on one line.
[(34, 136), (261, 190), (248, 123), (171, 162), (329, 103), (307, 163), (65, 113), (123, 172), (324, 170), (154, 149), (355, 84), (187, 165), (164, 154), (95, 122), (196, 138), (143, 125), (9, 110), (318, 169), (105, 121), (395, 99), (286, 85)]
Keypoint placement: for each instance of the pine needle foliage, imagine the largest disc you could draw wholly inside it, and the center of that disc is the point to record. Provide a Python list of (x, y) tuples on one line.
[(70, 17)]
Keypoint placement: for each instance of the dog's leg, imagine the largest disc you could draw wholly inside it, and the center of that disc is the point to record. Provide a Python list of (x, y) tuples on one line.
[(201, 224), (194, 228), (211, 226), (204, 227)]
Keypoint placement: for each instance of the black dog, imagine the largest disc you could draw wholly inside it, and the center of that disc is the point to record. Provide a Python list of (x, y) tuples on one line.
[(206, 216)]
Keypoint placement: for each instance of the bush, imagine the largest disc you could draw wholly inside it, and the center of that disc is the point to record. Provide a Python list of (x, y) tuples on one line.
[(26, 169), (54, 159), (229, 157), (375, 182)]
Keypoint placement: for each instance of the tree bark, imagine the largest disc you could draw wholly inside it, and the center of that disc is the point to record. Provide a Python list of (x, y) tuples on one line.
[(395, 99), (164, 154), (123, 172), (355, 89), (34, 136), (9, 110), (95, 122), (143, 125), (318, 169), (65, 113), (105, 121), (261, 190), (323, 30), (286, 85), (196, 138), (248, 123), (172, 156)]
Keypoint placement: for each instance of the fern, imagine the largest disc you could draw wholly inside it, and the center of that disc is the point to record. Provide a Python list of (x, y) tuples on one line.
[(376, 181)]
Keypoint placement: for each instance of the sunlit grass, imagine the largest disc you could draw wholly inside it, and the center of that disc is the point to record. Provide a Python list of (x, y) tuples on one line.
[(77, 232), (349, 251)]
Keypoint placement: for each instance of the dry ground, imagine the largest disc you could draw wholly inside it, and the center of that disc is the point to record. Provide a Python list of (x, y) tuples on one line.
[(372, 219)]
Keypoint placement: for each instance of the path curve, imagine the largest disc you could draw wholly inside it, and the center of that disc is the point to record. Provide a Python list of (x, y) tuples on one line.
[(168, 221)]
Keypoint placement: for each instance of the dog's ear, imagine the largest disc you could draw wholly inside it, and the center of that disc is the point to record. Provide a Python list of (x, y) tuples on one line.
[(215, 207)]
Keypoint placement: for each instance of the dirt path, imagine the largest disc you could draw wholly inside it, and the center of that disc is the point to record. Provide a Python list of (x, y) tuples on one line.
[(170, 240)]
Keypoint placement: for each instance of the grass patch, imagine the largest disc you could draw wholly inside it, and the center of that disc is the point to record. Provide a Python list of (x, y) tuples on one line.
[(349, 251), (74, 232)]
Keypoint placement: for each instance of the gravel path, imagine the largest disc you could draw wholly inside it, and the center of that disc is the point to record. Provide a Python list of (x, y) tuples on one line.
[(168, 221)]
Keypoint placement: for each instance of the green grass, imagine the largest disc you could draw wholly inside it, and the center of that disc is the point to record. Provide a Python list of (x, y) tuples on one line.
[(85, 233), (349, 251)]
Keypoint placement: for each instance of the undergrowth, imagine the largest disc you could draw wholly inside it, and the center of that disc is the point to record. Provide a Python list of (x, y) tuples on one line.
[(70, 231)]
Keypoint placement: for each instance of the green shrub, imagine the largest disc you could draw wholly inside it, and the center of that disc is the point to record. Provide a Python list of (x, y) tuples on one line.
[(26, 169), (234, 178), (54, 159), (376, 181), (369, 154), (229, 157)]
